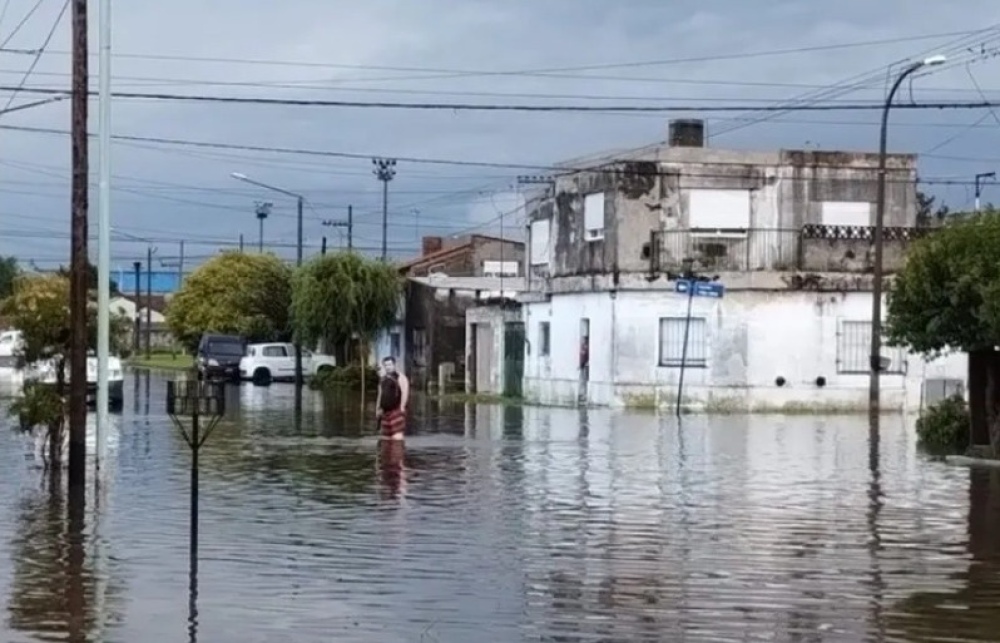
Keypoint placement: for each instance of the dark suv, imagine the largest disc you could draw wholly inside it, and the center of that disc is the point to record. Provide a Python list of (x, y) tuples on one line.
[(219, 356)]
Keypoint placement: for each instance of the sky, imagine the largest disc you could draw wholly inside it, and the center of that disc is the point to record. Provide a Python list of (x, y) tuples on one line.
[(537, 52)]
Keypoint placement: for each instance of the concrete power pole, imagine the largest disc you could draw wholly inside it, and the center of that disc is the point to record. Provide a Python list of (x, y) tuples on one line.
[(349, 224), (79, 269), (385, 171), (980, 179)]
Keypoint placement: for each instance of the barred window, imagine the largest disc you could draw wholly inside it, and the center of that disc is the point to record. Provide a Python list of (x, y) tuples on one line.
[(672, 331), (854, 346)]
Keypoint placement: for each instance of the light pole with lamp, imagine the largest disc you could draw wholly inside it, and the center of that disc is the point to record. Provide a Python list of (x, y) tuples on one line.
[(875, 354), (980, 179), (300, 205)]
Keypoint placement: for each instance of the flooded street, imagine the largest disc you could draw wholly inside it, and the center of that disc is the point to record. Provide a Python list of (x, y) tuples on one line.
[(502, 524)]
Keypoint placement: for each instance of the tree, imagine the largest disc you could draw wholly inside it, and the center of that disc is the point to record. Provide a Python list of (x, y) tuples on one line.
[(39, 307), (947, 297), (927, 215), (9, 271), (235, 293), (343, 297)]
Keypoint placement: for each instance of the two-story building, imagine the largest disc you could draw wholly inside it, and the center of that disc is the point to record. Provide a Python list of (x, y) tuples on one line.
[(786, 236)]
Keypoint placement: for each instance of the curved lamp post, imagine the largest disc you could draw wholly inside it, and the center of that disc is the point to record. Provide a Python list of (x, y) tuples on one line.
[(875, 354)]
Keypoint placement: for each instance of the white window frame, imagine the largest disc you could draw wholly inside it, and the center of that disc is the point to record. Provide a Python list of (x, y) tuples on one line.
[(670, 342), (540, 231), (854, 346), (593, 217), (720, 227)]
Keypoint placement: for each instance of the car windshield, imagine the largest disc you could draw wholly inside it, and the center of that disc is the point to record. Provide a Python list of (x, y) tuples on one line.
[(225, 348)]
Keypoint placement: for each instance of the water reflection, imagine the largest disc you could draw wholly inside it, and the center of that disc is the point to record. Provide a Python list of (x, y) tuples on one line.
[(530, 524), (59, 590)]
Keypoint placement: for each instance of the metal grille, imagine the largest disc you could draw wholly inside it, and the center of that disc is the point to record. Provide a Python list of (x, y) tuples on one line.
[(854, 346), (672, 342), (854, 232)]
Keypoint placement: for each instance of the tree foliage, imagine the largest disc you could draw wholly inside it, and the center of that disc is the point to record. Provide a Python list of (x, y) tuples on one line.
[(343, 296), (948, 293), (927, 214), (235, 293)]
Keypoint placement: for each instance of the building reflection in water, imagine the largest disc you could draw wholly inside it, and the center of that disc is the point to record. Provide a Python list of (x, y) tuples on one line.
[(63, 583)]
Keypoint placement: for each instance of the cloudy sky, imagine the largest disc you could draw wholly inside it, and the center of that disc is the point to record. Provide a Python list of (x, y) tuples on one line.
[(540, 52)]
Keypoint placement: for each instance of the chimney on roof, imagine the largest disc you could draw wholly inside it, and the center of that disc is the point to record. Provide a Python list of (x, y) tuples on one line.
[(687, 132), (431, 245)]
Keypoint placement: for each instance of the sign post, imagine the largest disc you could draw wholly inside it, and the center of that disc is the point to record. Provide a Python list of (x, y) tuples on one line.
[(692, 286)]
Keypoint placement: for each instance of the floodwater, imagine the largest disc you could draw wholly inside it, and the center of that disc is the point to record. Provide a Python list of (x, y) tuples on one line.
[(501, 524)]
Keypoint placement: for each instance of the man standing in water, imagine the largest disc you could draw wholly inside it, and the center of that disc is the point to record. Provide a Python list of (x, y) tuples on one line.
[(390, 404)]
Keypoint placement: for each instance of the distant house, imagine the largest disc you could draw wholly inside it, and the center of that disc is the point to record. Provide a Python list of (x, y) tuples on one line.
[(449, 276), (159, 333)]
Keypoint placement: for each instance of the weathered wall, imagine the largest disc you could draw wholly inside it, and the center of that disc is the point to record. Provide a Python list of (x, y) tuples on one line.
[(468, 261), (650, 196), (753, 337), (492, 319), (441, 317)]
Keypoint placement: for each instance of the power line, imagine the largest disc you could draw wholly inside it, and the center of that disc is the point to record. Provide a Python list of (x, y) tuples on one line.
[(24, 21), (38, 56), (513, 107), (602, 166)]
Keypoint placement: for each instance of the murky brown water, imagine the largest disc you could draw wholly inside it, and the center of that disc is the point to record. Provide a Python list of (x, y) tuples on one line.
[(504, 524)]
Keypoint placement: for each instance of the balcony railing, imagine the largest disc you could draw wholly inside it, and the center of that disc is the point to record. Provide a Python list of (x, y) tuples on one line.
[(817, 248)]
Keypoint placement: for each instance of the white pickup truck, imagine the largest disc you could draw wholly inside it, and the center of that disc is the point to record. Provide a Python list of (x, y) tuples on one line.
[(266, 363)]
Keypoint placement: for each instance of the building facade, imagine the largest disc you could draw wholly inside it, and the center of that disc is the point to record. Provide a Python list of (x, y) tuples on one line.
[(786, 237)]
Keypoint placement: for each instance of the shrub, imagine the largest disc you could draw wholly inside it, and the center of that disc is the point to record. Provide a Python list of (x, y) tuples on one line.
[(944, 427), (345, 377)]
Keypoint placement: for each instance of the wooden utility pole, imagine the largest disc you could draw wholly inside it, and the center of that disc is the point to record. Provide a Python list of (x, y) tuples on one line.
[(78, 255)]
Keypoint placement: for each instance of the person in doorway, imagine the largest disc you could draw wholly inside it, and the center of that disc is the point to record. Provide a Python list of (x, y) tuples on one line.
[(390, 404)]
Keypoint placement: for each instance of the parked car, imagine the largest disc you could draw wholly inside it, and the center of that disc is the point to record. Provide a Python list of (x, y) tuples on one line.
[(44, 372), (266, 363), (219, 356)]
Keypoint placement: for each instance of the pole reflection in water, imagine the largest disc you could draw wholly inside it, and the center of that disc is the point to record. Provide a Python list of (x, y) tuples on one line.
[(875, 503)]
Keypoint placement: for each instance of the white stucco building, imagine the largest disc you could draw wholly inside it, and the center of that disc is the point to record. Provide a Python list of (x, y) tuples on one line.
[(788, 236)]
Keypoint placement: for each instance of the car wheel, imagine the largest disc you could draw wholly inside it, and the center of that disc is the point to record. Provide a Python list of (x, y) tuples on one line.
[(262, 377)]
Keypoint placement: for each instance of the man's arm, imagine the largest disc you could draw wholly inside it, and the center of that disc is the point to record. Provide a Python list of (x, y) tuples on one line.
[(404, 390)]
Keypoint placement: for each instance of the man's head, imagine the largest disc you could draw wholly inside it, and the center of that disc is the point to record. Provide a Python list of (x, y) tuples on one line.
[(389, 365)]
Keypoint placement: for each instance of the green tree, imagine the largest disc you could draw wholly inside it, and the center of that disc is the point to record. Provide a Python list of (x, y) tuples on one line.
[(927, 215), (9, 270), (947, 297), (343, 297), (246, 294)]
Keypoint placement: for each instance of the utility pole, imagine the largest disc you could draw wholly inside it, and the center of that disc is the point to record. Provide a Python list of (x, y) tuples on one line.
[(263, 211), (149, 299), (385, 171), (103, 231), (241, 244), (180, 268), (322, 250), (78, 255), (349, 224), (980, 179), (137, 267)]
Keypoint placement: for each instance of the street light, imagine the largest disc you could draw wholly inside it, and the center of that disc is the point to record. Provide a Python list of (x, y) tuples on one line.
[(875, 354), (300, 204)]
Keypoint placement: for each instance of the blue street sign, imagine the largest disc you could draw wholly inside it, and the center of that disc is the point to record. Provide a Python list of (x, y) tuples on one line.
[(701, 288)]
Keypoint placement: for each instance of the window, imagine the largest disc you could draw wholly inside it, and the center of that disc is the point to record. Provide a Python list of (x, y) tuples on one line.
[(499, 268), (544, 339), (394, 345), (719, 210), (854, 346), (275, 351), (593, 216), (540, 242), (419, 356), (672, 330), (847, 213)]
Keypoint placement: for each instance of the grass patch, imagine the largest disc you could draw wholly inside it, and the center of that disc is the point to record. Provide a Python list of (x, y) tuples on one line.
[(163, 362)]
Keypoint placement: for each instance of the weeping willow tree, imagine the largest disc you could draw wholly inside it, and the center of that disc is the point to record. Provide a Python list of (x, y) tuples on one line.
[(343, 298)]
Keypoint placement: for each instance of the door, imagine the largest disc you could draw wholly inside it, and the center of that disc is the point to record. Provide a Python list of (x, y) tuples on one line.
[(277, 359), (513, 359), (584, 358), (484, 359)]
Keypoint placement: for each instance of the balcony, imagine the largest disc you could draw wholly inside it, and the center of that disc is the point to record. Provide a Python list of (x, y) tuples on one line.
[(813, 248)]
